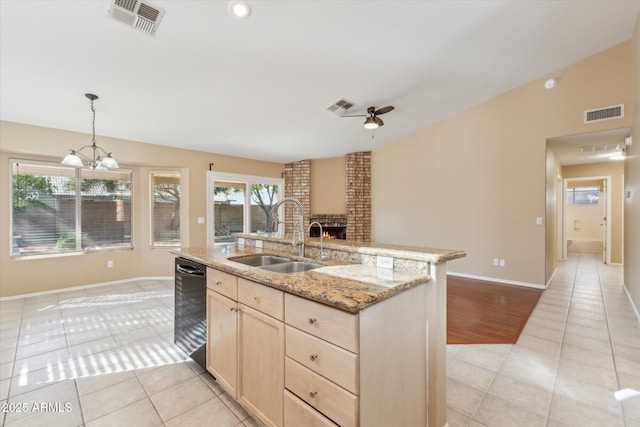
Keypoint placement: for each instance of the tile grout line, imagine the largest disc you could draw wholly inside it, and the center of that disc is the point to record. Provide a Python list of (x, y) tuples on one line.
[(606, 317), (486, 393), (564, 332)]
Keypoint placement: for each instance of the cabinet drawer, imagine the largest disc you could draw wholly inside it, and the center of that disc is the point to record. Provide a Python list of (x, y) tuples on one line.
[(330, 324), (297, 414), (223, 283), (333, 401), (328, 360), (262, 298)]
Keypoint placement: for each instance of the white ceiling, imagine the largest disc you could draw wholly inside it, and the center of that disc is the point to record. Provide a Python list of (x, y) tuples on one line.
[(259, 88)]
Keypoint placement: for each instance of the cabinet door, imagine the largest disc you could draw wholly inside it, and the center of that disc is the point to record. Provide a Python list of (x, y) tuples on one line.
[(222, 341), (262, 365)]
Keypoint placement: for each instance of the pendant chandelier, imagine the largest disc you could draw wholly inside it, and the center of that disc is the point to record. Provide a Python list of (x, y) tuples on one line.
[(99, 159)]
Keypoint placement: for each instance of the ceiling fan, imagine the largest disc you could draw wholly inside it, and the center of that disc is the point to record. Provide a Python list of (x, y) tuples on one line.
[(372, 120)]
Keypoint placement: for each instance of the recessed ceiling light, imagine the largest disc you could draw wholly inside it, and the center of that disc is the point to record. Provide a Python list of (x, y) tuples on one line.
[(239, 9), (551, 83)]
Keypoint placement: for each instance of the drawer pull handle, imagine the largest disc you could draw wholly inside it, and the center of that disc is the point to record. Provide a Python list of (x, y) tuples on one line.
[(312, 320), (313, 393), (219, 282), (256, 298), (233, 309), (313, 356)]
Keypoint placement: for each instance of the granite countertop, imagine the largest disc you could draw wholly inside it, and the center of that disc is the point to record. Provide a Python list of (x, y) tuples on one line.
[(415, 253), (349, 287)]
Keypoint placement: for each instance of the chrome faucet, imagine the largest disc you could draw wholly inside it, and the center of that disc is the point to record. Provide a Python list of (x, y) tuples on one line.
[(274, 213), (321, 237)]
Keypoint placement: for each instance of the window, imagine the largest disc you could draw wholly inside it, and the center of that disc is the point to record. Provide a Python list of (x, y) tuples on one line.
[(58, 209), (165, 208), (229, 196), (583, 195)]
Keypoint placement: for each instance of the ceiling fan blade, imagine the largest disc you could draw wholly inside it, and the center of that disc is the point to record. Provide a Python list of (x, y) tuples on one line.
[(384, 110), (356, 115)]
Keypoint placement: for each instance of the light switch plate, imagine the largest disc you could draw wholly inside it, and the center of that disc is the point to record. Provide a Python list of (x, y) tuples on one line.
[(539, 220), (200, 220), (259, 244), (384, 261), (241, 240)]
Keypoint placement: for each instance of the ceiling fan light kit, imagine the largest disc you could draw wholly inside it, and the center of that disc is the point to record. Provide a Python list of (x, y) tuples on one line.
[(372, 120), (370, 123)]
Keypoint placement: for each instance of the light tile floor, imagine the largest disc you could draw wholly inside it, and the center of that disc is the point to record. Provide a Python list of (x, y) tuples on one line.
[(104, 356), (580, 345)]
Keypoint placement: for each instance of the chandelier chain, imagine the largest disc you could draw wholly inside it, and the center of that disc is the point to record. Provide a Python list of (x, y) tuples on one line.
[(93, 110)]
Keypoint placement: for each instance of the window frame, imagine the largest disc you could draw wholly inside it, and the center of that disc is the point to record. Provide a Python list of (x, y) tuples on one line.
[(77, 175), (248, 180), (581, 189), (182, 211)]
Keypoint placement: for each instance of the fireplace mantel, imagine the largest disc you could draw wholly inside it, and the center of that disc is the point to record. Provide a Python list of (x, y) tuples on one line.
[(329, 220)]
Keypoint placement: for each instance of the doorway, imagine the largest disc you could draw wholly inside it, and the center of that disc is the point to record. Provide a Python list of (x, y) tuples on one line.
[(584, 157), (587, 209)]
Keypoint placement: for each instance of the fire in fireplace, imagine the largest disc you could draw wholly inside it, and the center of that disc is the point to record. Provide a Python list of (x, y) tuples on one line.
[(329, 232), (333, 226)]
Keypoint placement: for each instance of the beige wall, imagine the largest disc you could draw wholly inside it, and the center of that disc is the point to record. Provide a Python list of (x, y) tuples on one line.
[(632, 186), (37, 275), (616, 171), (477, 180), (328, 189)]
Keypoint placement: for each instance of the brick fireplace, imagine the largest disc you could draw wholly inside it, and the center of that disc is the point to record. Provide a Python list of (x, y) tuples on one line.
[(357, 220)]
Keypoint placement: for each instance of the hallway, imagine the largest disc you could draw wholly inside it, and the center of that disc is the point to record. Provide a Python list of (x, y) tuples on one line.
[(580, 345)]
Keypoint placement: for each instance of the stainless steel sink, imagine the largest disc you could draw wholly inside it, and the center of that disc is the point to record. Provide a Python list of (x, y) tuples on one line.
[(259, 260), (292, 267)]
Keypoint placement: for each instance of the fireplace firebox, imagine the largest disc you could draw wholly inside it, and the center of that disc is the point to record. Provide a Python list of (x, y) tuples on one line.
[(333, 226)]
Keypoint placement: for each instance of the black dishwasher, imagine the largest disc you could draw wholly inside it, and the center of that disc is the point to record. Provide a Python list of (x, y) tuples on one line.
[(190, 318)]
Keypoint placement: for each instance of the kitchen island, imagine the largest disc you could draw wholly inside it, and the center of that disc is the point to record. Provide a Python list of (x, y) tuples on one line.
[(384, 361)]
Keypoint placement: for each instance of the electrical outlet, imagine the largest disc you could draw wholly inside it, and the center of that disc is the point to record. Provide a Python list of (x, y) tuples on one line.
[(539, 220), (496, 262), (200, 220), (259, 244), (501, 263), (109, 264), (384, 261), (240, 240)]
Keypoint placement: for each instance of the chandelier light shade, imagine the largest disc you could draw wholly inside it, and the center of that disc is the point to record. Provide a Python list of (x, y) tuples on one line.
[(99, 159)]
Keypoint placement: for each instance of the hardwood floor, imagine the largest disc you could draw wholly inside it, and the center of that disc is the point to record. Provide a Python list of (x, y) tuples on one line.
[(480, 312)]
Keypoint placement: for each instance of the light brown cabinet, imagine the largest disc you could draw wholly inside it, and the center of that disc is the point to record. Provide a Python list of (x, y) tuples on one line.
[(366, 369), (222, 340), (245, 343), (294, 362), (262, 370)]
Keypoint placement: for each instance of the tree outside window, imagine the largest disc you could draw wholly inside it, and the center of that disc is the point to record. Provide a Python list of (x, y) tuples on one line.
[(165, 208)]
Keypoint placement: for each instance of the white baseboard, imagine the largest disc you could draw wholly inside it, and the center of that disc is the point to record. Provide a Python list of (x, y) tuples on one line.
[(633, 306), (493, 279), (551, 278), (75, 288)]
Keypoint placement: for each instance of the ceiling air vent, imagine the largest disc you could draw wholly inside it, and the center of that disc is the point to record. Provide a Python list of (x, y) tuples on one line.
[(606, 113), (341, 106), (140, 15)]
